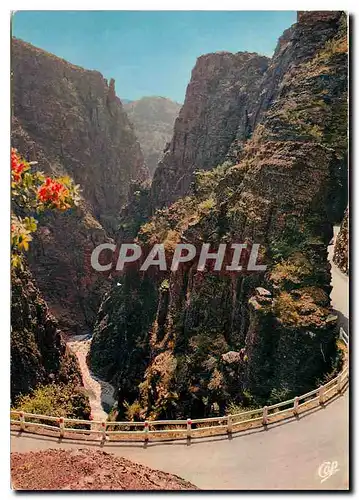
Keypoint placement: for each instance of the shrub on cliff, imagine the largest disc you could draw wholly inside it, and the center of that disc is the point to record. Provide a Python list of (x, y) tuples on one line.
[(38, 352), (341, 249), (56, 400)]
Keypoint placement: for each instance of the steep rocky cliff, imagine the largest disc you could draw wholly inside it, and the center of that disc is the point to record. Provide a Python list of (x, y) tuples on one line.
[(199, 340), (218, 107), (38, 352), (153, 119), (70, 121)]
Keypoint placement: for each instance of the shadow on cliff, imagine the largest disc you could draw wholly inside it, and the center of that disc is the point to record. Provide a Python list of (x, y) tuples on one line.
[(343, 321)]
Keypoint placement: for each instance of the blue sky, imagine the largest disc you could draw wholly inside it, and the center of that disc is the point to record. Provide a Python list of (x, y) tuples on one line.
[(149, 52)]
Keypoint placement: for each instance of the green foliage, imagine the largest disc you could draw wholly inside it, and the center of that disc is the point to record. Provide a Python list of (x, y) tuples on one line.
[(136, 212), (168, 224), (164, 286), (280, 394), (206, 206), (294, 270), (334, 46), (207, 180), (234, 408), (294, 236), (303, 307), (133, 411), (56, 400), (286, 309), (32, 192)]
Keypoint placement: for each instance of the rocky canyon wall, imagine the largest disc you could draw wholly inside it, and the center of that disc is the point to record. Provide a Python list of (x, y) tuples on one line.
[(218, 108), (38, 352), (70, 121), (202, 340), (153, 119)]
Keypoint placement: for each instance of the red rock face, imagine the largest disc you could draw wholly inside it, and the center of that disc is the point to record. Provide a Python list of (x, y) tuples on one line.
[(87, 470), (70, 121), (219, 103)]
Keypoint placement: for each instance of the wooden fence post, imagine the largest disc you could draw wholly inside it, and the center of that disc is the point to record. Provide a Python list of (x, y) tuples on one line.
[(189, 428), (229, 424), (295, 406), (22, 421), (321, 395), (62, 427), (146, 430), (103, 425), (265, 416), (339, 382)]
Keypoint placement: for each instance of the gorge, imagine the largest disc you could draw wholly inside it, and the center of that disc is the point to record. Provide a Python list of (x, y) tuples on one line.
[(153, 119), (258, 156), (72, 123)]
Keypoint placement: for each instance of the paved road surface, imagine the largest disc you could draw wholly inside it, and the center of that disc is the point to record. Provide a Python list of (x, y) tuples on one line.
[(286, 456), (340, 292)]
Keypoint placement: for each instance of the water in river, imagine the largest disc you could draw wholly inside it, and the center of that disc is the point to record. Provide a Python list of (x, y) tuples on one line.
[(101, 393)]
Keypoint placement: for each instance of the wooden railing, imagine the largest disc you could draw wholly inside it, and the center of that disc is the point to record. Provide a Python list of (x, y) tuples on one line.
[(189, 428)]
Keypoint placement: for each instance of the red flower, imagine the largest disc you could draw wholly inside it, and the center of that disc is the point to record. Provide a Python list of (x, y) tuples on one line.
[(52, 191), (17, 166)]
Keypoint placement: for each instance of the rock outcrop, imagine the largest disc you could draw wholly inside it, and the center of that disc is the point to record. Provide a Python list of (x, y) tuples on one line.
[(70, 121), (38, 352), (202, 339), (153, 119), (341, 248), (220, 100)]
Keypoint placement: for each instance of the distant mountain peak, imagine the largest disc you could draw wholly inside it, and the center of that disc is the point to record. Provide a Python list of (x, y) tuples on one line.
[(153, 119)]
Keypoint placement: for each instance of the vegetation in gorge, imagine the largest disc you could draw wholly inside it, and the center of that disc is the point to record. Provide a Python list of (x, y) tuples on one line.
[(216, 341), (120, 345), (58, 400), (341, 250), (135, 212), (45, 379)]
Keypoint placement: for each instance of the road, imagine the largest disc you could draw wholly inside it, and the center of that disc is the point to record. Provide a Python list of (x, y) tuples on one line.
[(340, 292), (286, 456)]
